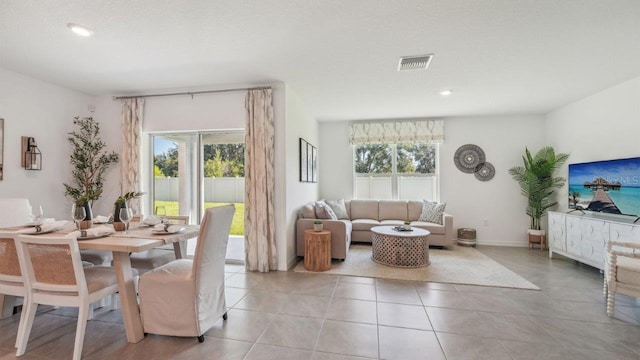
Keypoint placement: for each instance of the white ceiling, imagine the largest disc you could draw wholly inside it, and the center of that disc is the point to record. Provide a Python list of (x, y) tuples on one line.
[(338, 56)]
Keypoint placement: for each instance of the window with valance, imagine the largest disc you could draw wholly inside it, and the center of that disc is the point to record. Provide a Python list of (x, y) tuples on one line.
[(396, 159)]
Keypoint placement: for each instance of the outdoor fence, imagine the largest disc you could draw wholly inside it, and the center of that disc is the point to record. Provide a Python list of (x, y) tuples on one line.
[(225, 189), (231, 189), (409, 187)]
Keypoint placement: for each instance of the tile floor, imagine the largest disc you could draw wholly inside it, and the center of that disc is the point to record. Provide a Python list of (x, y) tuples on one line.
[(286, 315)]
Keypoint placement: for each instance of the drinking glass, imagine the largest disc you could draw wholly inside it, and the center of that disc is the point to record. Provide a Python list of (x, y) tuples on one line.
[(79, 214), (161, 212), (36, 214), (125, 216)]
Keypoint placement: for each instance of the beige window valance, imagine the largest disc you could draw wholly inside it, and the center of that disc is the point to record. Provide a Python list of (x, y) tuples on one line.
[(397, 132)]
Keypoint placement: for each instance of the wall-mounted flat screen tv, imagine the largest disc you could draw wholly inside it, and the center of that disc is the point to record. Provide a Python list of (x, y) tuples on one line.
[(611, 186)]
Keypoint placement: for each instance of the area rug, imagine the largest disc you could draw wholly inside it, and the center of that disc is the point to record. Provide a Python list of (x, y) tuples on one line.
[(456, 265)]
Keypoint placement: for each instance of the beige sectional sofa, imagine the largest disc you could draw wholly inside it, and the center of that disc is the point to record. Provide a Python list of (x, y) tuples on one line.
[(365, 214)]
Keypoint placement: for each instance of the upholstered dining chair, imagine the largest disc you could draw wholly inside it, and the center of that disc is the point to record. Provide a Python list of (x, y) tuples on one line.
[(53, 275), (145, 261), (186, 297), (11, 281), (621, 271)]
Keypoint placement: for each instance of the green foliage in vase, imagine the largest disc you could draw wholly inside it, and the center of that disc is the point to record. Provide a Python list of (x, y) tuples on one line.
[(90, 161), (122, 200)]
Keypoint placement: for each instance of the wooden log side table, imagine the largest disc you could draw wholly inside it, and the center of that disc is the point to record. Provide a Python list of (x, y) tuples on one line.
[(317, 250), (407, 249)]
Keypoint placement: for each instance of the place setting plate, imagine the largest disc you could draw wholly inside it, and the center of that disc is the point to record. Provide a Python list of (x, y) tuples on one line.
[(90, 237), (167, 231), (36, 232)]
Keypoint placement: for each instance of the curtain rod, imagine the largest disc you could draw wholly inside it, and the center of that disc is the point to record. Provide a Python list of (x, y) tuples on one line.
[(190, 93)]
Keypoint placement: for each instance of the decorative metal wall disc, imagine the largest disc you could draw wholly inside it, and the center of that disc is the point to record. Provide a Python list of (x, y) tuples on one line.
[(468, 157), (485, 171)]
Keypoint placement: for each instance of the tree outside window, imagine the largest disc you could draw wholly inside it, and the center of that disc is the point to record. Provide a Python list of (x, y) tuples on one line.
[(395, 171)]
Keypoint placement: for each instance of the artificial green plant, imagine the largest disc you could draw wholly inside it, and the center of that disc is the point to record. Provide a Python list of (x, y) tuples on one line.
[(537, 182)]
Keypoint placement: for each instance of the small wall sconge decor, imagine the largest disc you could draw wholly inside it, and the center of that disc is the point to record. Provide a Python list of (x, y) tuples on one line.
[(31, 155)]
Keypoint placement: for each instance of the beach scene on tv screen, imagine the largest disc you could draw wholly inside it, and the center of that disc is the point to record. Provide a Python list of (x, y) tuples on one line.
[(606, 186)]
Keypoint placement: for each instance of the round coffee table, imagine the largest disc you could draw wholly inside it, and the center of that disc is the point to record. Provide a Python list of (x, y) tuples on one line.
[(407, 249)]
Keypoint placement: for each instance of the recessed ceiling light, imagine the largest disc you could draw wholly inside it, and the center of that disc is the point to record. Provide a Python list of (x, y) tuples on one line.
[(446, 92), (80, 30)]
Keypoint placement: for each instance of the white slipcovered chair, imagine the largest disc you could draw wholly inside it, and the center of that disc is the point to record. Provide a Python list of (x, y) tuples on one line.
[(621, 271), (54, 275), (14, 212), (186, 297)]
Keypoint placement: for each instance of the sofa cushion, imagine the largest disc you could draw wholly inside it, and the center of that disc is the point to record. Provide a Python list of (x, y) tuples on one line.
[(364, 209), (364, 224), (392, 210), (308, 211), (435, 229), (338, 208), (432, 212), (323, 211), (414, 208), (391, 222)]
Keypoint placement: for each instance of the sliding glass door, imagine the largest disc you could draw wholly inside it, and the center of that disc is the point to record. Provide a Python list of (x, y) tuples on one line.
[(197, 170)]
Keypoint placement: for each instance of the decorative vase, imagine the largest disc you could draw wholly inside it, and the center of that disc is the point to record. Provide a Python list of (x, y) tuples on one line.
[(317, 227), (117, 224), (406, 226), (87, 223)]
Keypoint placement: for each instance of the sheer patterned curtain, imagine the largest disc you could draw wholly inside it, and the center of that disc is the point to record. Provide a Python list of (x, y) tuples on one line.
[(259, 220), (132, 115)]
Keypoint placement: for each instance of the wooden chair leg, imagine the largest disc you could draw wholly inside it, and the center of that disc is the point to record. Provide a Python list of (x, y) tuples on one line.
[(24, 328), (83, 317), (611, 302)]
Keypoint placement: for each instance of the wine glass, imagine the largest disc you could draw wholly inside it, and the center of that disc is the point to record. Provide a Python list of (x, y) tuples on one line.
[(36, 214), (125, 216), (79, 214), (161, 212)]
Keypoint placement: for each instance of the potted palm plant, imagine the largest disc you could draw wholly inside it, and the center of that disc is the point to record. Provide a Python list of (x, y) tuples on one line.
[(90, 162), (537, 184)]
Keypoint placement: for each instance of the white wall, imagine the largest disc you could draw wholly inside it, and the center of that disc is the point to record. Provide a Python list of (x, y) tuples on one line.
[(44, 111), (298, 125), (603, 126), (471, 201), (503, 139)]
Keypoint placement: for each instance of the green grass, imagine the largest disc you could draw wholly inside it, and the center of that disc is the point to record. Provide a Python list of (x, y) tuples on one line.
[(237, 224)]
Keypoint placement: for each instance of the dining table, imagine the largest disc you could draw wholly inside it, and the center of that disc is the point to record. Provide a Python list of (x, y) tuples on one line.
[(136, 239)]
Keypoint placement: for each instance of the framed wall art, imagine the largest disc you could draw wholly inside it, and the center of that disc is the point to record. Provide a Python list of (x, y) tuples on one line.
[(308, 162)]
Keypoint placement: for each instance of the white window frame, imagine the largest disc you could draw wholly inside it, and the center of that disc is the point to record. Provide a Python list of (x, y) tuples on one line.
[(394, 173)]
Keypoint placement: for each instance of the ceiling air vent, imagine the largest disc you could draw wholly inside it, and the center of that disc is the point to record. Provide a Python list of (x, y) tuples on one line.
[(420, 62)]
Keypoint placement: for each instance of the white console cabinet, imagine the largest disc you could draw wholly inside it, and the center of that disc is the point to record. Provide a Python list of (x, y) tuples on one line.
[(582, 237)]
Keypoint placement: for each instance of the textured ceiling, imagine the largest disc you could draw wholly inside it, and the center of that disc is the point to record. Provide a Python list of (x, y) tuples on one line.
[(338, 56)]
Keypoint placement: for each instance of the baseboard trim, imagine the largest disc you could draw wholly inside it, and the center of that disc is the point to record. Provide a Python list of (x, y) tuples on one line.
[(292, 263), (502, 243)]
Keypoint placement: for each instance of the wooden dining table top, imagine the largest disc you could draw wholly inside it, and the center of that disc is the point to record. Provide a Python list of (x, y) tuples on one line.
[(138, 239)]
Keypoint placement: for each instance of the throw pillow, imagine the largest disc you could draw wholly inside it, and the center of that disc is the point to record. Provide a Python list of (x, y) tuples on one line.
[(432, 212), (308, 211), (323, 211), (338, 208)]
